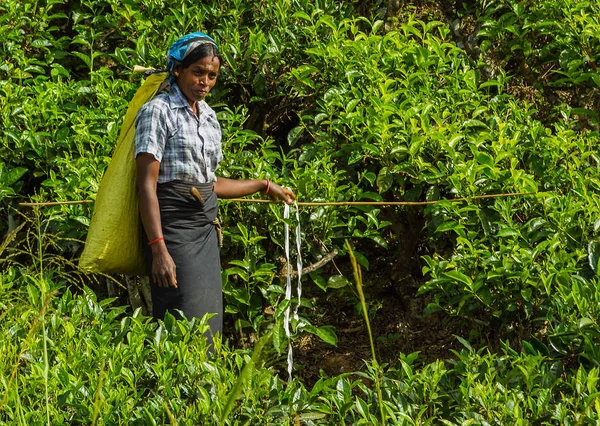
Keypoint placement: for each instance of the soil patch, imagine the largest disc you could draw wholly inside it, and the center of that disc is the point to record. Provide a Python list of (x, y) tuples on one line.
[(398, 326)]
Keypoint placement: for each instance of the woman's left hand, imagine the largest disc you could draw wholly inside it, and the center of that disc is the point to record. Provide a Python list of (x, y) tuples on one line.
[(279, 192)]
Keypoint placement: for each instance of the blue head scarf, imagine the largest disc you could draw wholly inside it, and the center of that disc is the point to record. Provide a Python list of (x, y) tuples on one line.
[(185, 45)]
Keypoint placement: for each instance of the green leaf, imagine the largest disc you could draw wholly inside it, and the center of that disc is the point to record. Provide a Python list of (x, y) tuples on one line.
[(319, 280), (13, 175), (485, 295), (379, 240), (84, 220), (242, 296), (337, 281), (464, 343), (301, 15), (585, 323), (539, 346), (294, 135), (385, 179), (327, 334), (259, 83), (320, 117), (594, 255), (243, 230), (529, 348), (279, 337), (449, 225), (327, 20), (376, 26), (485, 159), (84, 58), (431, 308), (361, 259), (35, 68), (508, 232), (459, 276), (485, 223), (311, 416)]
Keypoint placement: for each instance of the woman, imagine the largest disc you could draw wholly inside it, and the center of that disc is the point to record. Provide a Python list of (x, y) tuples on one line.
[(177, 149)]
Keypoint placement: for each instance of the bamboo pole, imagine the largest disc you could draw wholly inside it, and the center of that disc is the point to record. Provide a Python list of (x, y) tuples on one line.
[(324, 203), (55, 203)]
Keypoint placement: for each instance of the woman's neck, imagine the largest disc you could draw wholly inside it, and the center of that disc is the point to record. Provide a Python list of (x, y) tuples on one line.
[(195, 106)]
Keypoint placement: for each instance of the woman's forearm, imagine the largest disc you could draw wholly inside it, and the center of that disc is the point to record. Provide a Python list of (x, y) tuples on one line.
[(150, 212), (230, 188)]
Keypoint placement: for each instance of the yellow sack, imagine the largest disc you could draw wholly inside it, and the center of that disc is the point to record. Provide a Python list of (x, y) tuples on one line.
[(113, 243)]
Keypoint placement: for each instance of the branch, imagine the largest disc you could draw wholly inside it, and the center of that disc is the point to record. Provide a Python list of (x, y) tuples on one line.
[(319, 264)]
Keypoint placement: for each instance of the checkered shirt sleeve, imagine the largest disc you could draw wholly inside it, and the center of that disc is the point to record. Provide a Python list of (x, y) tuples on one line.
[(151, 130)]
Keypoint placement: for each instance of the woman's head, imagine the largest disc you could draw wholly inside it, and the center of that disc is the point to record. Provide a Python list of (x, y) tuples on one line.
[(201, 51), (194, 62), (191, 47)]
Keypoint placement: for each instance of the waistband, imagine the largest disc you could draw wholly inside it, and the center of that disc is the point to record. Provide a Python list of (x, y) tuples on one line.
[(184, 187), (185, 201)]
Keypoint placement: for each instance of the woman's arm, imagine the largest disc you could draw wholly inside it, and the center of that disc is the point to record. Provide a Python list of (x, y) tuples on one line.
[(230, 188), (163, 267)]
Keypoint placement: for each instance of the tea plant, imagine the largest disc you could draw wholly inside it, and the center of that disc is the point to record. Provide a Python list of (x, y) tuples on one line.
[(125, 369), (553, 45), (340, 107)]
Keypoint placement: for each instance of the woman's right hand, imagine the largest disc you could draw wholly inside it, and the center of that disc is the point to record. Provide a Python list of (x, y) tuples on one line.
[(163, 267)]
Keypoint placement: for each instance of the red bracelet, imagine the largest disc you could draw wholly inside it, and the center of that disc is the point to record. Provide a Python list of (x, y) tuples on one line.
[(156, 241), (266, 191)]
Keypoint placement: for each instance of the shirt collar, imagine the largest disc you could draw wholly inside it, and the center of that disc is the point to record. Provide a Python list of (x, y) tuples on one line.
[(178, 100)]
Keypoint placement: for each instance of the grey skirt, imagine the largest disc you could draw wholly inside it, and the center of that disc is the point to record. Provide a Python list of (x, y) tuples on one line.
[(192, 241)]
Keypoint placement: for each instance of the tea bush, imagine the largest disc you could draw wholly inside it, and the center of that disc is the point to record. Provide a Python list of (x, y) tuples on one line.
[(553, 44), (70, 358), (340, 107)]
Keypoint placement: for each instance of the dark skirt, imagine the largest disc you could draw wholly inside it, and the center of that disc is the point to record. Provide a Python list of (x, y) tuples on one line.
[(192, 241)]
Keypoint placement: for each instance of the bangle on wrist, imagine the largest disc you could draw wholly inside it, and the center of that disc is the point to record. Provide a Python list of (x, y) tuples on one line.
[(266, 191), (156, 241)]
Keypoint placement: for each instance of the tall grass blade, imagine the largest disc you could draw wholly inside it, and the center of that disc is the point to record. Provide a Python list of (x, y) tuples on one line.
[(11, 236), (172, 418), (44, 291), (32, 330), (97, 395), (359, 288)]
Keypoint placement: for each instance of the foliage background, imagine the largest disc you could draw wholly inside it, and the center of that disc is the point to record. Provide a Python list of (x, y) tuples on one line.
[(341, 101)]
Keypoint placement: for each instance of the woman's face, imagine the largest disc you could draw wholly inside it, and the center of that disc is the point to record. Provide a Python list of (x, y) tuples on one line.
[(196, 80)]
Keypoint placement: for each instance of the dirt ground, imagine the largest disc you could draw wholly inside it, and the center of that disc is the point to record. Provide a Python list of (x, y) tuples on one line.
[(398, 326)]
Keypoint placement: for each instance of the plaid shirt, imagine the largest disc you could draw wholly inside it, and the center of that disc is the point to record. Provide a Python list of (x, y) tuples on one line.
[(187, 147)]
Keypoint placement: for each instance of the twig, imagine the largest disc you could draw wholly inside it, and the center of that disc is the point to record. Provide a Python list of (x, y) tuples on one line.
[(352, 329), (318, 264), (55, 203), (327, 203), (387, 203)]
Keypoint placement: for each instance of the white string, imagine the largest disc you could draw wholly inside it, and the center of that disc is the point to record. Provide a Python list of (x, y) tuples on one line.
[(288, 287), (298, 259)]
